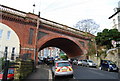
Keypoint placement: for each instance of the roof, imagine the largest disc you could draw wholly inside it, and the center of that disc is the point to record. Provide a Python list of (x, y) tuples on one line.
[(62, 61)]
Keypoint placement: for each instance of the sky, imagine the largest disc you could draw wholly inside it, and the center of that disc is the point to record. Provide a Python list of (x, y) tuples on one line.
[(68, 12)]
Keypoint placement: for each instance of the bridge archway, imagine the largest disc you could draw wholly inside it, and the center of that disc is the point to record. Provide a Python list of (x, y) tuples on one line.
[(70, 46)]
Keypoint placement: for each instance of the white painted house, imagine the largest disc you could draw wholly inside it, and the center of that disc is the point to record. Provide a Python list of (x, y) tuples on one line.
[(9, 42), (116, 18)]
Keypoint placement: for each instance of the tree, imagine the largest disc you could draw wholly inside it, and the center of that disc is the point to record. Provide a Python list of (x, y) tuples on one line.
[(106, 36), (64, 57), (87, 25), (101, 52), (2, 63)]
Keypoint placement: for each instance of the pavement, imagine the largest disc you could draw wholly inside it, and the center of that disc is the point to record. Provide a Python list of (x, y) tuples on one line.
[(43, 72)]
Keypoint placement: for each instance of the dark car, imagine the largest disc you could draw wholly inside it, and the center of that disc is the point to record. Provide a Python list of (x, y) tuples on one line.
[(50, 60), (108, 65), (75, 62)]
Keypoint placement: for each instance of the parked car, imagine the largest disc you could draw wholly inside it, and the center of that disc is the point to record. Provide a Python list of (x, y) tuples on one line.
[(50, 60), (91, 63), (79, 62), (10, 75), (71, 61), (84, 63), (62, 68), (75, 62), (108, 66), (87, 63)]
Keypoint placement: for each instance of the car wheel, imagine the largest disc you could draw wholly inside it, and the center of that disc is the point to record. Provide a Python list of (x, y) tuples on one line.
[(53, 75), (71, 76), (82, 65), (95, 67), (87, 65), (117, 70)]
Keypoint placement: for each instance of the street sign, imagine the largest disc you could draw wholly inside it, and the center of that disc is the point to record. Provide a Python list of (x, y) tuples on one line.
[(114, 43)]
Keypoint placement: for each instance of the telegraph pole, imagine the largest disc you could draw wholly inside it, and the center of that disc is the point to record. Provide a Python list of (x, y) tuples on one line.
[(36, 39)]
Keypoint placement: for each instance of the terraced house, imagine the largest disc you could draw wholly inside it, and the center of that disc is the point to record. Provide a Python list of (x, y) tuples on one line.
[(9, 42)]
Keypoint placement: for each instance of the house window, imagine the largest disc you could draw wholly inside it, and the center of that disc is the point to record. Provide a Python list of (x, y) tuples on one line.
[(31, 33), (113, 21), (118, 18), (1, 31), (13, 53), (5, 53), (8, 35)]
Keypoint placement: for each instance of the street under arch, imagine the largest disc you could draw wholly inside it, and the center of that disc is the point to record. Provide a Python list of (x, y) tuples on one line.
[(68, 46)]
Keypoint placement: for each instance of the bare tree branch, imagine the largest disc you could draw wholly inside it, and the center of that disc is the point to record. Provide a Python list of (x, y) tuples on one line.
[(87, 25)]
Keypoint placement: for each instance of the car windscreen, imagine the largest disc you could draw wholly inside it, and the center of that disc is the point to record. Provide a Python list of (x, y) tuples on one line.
[(107, 62), (10, 71), (62, 64), (90, 61), (110, 62)]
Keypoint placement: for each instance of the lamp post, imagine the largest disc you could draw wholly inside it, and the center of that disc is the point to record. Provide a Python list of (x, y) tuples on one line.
[(33, 7), (36, 39)]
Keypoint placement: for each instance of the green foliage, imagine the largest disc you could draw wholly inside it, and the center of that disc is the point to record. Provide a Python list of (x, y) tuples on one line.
[(91, 49), (64, 57), (101, 51), (25, 68), (2, 62), (105, 37)]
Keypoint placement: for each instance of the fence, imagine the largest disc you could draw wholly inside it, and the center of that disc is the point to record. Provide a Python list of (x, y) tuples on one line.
[(24, 69), (22, 64), (21, 69)]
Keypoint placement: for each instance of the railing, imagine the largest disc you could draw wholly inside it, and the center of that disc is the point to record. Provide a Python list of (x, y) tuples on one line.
[(45, 21), (13, 11), (54, 24)]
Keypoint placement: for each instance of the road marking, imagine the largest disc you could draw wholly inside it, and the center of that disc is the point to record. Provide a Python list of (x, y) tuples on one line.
[(50, 74), (93, 68)]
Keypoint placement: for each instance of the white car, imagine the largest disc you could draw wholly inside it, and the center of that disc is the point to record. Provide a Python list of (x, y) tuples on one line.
[(79, 62), (62, 68), (89, 63), (85, 63), (92, 64)]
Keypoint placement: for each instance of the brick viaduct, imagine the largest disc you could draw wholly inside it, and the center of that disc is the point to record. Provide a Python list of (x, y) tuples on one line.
[(50, 34)]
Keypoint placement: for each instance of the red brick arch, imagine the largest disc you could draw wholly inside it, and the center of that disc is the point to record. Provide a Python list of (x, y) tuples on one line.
[(69, 45), (73, 42)]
